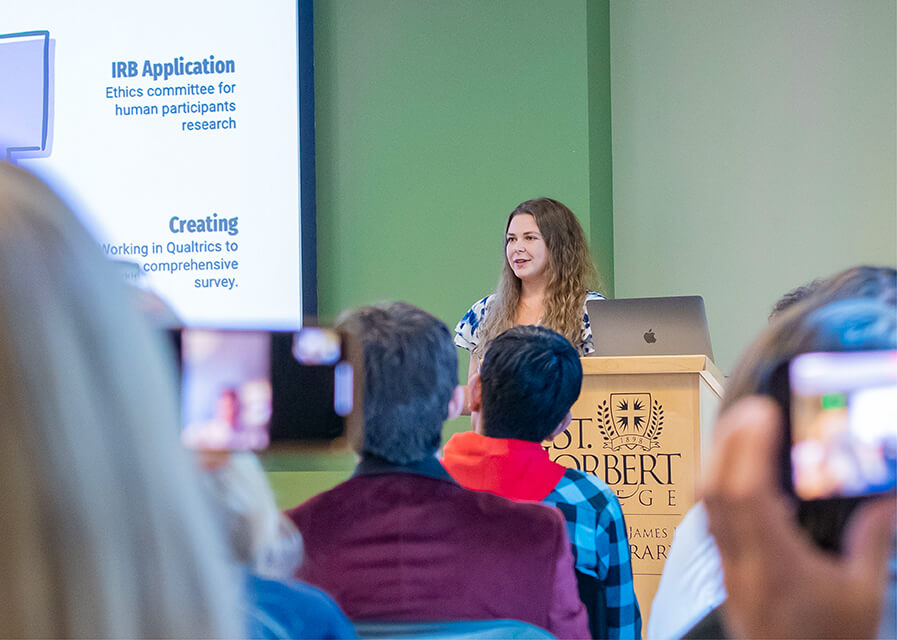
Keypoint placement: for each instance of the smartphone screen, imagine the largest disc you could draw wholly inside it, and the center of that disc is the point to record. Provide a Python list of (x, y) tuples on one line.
[(843, 424), (226, 390)]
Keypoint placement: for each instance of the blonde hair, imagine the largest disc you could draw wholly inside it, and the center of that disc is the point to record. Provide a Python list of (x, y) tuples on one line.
[(106, 532), (261, 536), (571, 274)]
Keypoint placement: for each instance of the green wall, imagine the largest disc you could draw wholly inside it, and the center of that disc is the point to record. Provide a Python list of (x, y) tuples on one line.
[(753, 150), (433, 120), (601, 202)]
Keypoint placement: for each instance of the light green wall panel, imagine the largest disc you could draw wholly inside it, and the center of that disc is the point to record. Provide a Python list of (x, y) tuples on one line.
[(434, 119), (753, 150)]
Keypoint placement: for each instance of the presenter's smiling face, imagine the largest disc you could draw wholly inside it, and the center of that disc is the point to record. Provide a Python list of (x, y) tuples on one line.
[(525, 248)]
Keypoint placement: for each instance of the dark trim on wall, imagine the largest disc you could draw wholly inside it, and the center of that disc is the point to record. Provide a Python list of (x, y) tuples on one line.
[(308, 213)]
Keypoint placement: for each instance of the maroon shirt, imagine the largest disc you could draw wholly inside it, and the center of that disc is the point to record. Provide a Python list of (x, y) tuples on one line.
[(409, 544)]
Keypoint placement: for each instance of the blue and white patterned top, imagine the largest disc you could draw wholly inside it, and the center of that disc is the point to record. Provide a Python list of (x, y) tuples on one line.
[(597, 532), (467, 331)]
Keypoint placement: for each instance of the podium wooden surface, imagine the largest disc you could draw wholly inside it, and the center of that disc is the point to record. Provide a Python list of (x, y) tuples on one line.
[(642, 424)]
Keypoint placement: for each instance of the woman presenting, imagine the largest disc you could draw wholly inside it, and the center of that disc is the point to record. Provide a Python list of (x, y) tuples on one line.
[(545, 281)]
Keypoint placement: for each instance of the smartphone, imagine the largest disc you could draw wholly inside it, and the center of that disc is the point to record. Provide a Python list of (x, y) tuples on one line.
[(248, 390), (843, 424)]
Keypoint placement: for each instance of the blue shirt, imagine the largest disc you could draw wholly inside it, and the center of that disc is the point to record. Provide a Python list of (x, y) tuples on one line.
[(286, 609)]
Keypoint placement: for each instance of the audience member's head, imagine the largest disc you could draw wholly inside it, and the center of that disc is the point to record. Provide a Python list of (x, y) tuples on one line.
[(528, 381), (861, 282), (106, 532), (794, 296), (789, 334), (261, 536), (410, 381)]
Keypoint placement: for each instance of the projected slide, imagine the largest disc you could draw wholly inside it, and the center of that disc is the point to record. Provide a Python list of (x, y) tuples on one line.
[(172, 128)]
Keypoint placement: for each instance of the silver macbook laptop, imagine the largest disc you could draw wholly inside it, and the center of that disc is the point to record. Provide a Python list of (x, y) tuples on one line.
[(650, 326)]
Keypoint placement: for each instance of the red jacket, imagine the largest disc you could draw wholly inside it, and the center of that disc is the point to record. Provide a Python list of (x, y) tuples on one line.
[(515, 469), (410, 544)]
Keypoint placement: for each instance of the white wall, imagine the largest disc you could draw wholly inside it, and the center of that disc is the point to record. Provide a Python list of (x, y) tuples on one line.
[(753, 150)]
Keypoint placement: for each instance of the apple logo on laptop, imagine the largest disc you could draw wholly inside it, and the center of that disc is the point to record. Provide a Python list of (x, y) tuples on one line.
[(649, 336)]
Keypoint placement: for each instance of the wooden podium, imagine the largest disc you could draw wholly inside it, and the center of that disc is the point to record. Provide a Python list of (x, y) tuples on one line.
[(642, 424)]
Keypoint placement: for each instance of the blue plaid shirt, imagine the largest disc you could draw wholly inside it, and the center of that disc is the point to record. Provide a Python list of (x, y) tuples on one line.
[(597, 531)]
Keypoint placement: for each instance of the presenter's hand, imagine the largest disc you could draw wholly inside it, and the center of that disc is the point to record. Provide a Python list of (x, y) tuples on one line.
[(473, 369), (779, 584)]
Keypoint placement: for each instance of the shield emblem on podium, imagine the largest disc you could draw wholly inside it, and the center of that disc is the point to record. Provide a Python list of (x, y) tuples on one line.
[(630, 412), (630, 420)]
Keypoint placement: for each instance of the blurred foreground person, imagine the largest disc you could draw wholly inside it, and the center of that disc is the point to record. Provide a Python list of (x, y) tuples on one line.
[(691, 586), (105, 530), (269, 548), (779, 583), (854, 324), (401, 541)]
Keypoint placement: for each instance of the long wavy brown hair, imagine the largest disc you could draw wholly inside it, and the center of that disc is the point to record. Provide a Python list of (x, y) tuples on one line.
[(570, 269)]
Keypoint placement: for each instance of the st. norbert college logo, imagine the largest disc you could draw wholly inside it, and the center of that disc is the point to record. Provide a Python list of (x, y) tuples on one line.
[(631, 420)]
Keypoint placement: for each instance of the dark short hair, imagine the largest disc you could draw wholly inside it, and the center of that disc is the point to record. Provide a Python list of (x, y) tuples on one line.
[(410, 373), (863, 281), (531, 376), (794, 296), (787, 334)]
